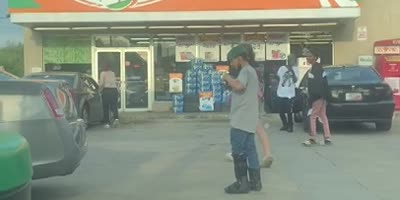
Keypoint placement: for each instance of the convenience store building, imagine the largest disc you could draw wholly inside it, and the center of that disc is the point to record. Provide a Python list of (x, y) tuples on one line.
[(145, 40)]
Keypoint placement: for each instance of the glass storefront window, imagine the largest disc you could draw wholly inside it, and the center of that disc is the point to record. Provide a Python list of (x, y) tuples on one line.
[(67, 53), (164, 58)]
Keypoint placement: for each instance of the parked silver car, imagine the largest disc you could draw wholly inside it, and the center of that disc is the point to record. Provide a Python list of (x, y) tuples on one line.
[(44, 113)]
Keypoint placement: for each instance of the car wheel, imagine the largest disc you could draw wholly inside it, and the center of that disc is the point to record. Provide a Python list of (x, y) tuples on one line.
[(384, 126), (85, 116), (298, 117)]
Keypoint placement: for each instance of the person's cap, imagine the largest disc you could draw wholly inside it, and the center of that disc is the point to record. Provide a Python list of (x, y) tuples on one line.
[(236, 52)]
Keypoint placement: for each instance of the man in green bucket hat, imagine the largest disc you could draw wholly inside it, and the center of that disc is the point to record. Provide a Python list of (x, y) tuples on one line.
[(243, 122)]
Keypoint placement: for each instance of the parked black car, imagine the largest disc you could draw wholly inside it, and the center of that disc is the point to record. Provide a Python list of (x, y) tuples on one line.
[(357, 94), (84, 90)]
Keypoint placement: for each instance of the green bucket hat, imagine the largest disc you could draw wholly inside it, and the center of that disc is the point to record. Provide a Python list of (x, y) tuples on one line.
[(236, 52)]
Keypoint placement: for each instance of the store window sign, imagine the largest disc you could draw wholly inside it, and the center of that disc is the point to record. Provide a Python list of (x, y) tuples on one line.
[(258, 43), (185, 48), (277, 46), (209, 47)]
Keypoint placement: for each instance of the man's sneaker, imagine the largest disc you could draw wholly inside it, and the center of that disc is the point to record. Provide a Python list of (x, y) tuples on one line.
[(107, 126), (290, 129), (328, 141), (229, 157), (284, 128), (309, 142)]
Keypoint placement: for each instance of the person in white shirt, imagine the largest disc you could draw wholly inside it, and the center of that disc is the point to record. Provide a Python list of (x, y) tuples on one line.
[(286, 92)]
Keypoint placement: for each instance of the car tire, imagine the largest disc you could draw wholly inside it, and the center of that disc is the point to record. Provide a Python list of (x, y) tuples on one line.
[(85, 116), (384, 126)]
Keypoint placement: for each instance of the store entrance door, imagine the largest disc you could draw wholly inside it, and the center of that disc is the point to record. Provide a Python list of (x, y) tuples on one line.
[(133, 69)]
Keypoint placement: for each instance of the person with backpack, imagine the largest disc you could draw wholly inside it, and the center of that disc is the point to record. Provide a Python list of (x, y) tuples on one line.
[(286, 92)]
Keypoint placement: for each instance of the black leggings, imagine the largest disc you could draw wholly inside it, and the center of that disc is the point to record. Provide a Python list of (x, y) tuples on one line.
[(285, 111), (110, 102)]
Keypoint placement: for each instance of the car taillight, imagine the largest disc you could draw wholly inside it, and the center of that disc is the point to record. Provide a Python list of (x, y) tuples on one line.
[(56, 111)]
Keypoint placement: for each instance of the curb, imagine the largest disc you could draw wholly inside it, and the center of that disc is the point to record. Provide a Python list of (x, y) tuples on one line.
[(127, 118)]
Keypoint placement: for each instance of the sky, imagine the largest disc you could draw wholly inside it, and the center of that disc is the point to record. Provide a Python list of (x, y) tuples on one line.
[(8, 31)]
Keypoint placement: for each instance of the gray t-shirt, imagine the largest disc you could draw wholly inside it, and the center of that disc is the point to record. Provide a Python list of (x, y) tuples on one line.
[(244, 108)]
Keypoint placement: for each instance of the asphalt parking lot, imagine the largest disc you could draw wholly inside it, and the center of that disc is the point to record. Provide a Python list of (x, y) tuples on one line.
[(185, 160)]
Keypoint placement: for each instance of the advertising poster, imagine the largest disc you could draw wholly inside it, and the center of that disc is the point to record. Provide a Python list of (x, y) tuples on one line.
[(185, 48), (206, 100), (228, 42), (277, 46), (258, 43), (209, 48), (175, 82), (222, 69)]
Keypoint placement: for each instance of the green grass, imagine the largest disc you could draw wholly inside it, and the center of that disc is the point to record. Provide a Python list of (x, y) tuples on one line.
[(120, 5)]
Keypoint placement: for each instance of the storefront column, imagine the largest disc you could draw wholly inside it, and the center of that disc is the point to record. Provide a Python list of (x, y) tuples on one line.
[(33, 51)]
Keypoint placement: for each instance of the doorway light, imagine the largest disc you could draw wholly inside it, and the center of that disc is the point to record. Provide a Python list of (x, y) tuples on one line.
[(51, 28), (320, 24), (166, 27), (280, 25), (204, 26), (143, 42), (89, 28), (140, 39), (243, 26), (300, 36), (127, 27), (320, 39)]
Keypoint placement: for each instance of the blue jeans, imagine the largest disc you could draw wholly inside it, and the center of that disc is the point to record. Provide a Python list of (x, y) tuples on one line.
[(243, 144)]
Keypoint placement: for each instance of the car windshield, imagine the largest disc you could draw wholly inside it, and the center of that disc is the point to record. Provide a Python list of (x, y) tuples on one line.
[(68, 78), (352, 75)]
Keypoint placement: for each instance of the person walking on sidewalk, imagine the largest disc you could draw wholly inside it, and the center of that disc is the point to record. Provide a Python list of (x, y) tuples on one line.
[(243, 121), (286, 91), (260, 129), (108, 85), (318, 92)]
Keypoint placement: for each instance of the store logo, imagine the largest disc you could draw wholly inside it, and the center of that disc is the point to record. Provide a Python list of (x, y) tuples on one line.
[(117, 5)]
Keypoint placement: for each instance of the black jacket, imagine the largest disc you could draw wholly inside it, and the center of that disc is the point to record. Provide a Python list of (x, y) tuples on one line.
[(317, 84)]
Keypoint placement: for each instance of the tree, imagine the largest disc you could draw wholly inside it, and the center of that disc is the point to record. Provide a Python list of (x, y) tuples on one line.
[(12, 58)]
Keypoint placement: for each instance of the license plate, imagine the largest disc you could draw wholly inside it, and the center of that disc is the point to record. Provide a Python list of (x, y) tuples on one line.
[(354, 97)]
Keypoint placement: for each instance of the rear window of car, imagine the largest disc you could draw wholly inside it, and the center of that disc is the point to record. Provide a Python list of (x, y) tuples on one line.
[(69, 79), (352, 75), (4, 77), (20, 107)]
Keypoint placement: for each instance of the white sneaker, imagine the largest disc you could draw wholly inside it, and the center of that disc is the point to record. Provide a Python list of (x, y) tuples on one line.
[(229, 157), (107, 126), (116, 123), (309, 142)]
